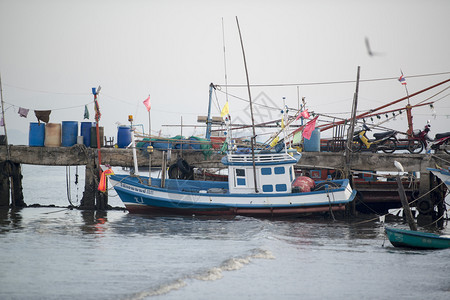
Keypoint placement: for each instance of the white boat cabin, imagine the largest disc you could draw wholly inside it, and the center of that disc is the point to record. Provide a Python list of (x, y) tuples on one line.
[(274, 172)]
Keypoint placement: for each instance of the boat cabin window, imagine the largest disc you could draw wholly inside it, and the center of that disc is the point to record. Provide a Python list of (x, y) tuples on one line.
[(240, 177), (266, 171), (280, 187), (240, 172), (267, 188), (279, 170)]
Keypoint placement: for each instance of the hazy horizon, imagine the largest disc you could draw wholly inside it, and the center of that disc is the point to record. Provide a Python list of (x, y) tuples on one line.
[(53, 52)]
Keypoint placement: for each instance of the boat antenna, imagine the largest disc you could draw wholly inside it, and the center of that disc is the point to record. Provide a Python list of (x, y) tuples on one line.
[(252, 140), (225, 61), (406, 88), (229, 134)]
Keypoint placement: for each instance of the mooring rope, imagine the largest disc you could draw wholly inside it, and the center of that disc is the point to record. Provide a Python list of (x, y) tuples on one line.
[(434, 156), (409, 203)]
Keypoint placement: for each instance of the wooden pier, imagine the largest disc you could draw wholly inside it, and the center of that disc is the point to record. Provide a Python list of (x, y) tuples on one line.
[(79, 155)]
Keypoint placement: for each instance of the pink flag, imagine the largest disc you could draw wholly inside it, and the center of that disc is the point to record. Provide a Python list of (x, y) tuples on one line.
[(309, 128), (147, 103), (304, 114)]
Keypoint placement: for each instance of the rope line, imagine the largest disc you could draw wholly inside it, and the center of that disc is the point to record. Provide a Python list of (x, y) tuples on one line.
[(335, 82), (62, 108), (377, 218)]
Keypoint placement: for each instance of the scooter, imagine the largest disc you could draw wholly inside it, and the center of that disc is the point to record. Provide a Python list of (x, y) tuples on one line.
[(384, 141), (420, 140)]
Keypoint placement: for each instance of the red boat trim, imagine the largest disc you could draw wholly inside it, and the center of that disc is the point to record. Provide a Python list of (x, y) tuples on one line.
[(270, 211)]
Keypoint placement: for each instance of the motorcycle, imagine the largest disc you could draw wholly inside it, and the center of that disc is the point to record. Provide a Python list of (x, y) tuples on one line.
[(420, 140), (384, 141)]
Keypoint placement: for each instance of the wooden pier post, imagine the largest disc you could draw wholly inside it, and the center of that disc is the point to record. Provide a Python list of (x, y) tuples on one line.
[(16, 186), (11, 184), (88, 200), (92, 197), (4, 185)]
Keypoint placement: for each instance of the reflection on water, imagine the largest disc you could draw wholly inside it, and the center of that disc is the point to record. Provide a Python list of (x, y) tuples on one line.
[(94, 221), (53, 253), (189, 227), (10, 219)]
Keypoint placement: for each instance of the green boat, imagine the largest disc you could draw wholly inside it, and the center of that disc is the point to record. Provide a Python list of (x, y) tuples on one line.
[(417, 240)]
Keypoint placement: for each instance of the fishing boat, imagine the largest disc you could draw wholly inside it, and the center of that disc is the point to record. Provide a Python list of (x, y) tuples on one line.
[(442, 174), (260, 182), (416, 240), (275, 193)]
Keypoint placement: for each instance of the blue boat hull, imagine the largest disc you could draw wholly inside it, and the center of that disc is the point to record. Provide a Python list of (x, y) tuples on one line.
[(416, 239), (187, 197)]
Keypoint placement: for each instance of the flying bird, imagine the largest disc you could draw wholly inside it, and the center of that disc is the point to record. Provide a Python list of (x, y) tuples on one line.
[(369, 50)]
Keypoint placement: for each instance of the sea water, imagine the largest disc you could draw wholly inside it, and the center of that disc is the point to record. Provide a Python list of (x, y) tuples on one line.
[(58, 253)]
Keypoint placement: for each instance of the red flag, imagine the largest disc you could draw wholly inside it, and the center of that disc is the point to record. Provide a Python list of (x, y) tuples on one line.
[(309, 128), (147, 103)]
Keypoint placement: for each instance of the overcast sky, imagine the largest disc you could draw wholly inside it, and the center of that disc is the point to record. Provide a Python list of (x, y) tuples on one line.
[(53, 52)]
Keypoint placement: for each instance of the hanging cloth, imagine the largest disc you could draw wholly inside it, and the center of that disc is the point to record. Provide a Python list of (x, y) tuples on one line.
[(23, 112), (42, 115), (97, 111), (86, 112), (2, 123)]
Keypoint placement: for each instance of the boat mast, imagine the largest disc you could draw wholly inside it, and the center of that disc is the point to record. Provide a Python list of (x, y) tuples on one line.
[(208, 119), (251, 108), (3, 117)]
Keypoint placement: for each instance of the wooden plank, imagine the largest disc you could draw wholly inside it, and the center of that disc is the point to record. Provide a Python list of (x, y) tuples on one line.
[(70, 156)]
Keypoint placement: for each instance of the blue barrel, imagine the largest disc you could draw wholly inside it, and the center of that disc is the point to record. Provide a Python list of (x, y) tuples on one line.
[(86, 132), (123, 136), (313, 144), (69, 133), (37, 135)]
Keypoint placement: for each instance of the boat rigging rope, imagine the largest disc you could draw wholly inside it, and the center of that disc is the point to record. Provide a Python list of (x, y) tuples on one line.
[(68, 185), (76, 183), (409, 203), (329, 201), (434, 156)]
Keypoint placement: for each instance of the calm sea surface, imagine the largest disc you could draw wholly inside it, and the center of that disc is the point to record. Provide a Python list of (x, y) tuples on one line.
[(56, 253)]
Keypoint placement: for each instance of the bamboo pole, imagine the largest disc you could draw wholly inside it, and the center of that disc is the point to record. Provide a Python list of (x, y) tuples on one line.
[(406, 209), (253, 139)]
